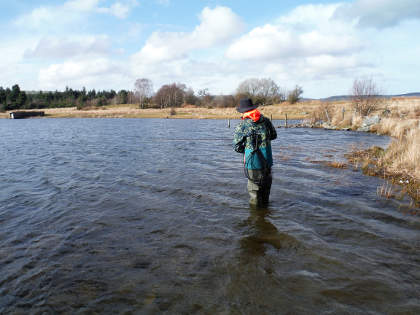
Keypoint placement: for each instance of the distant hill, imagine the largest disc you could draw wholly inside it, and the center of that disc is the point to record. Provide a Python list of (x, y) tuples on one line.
[(336, 98), (347, 97), (415, 94)]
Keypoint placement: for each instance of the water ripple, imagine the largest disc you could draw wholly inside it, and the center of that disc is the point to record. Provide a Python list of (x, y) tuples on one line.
[(151, 216)]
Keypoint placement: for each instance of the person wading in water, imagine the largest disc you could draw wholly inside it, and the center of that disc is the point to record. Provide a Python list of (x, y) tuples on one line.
[(253, 138)]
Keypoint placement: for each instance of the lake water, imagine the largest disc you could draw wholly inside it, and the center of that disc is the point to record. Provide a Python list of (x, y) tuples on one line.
[(151, 216)]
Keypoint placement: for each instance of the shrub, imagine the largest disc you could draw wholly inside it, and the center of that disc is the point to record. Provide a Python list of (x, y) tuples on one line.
[(365, 96), (294, 95)]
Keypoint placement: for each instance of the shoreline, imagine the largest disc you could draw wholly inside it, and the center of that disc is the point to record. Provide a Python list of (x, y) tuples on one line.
[(188, 112)]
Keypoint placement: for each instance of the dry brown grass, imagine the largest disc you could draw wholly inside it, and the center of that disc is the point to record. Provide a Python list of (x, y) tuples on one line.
[(396, 127), (399, 119), (404, 107), (336, 164), (386, 190), (400, 162), (132, 111), (403, 154), (398, 107), (300, 110)]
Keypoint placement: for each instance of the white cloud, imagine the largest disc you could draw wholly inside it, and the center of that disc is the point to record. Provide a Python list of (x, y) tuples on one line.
[(217, 26), (379, 13), (119, 9), (83, 72), (43, 17), (58, 47), (266, 42), (307, 46), (305, 17), (302, 46), (71, 57), (12, 68), (81, 5), (218, 75), (71, 13), (310, 46), (327, 65), (168, 56), (321, 47), (306, 31)]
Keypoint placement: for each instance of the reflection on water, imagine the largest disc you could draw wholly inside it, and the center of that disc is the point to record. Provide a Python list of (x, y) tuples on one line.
[(263, 234), (151, 216)]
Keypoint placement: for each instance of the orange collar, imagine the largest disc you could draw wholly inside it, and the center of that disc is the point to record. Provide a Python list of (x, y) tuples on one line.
[(252, 114)]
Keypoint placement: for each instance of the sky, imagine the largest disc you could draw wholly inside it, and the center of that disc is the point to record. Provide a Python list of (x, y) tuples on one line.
[(322, 46)]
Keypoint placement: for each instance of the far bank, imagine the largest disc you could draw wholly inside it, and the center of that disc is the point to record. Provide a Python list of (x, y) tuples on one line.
[(300, 110)]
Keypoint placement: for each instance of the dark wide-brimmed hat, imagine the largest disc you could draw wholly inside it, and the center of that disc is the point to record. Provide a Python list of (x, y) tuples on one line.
[(245, 105)]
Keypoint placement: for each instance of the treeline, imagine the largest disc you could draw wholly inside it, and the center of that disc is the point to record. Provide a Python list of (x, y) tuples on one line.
[(261, 91), (15, 98)]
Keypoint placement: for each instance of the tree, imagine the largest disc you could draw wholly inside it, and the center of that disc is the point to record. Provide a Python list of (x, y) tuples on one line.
[(170, 95), (122, 97), (224, 101), (189, 97), (294, 95), (204, 97), (365, 96), (2, 99), (143, 90), (228, 101), (262, 91), (13, 97), (21, 99), (91, 94)]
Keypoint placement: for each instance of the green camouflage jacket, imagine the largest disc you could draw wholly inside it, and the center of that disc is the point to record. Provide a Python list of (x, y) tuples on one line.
[(250, 136)]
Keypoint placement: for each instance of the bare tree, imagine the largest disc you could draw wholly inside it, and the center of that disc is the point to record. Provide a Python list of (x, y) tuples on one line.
[(170, 95), (262, 91), (224, 101), (228, 101), (293, 96), (365, 96), (143, 90), (248, 87), (204, 97), (268, 89), (190, 97)]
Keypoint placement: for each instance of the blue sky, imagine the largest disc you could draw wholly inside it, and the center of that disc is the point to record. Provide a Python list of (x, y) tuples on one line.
[(107, 44)]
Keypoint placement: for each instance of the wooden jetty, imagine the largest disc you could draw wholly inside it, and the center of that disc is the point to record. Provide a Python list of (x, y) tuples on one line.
[(25, 114)]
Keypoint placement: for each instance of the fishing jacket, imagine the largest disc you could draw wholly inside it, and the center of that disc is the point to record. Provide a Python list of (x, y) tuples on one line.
[(251, 136)]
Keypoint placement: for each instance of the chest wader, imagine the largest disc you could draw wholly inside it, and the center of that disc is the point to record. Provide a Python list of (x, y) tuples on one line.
[(259, 180)]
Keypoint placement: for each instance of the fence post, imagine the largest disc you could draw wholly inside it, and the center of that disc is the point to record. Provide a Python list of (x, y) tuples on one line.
[(328, 116)]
